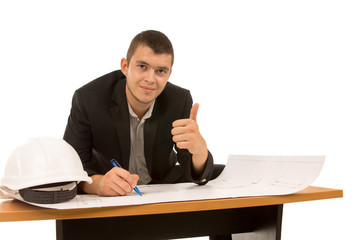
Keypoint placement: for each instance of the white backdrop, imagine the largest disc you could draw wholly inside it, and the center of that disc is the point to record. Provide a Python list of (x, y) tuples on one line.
[(271, 77)]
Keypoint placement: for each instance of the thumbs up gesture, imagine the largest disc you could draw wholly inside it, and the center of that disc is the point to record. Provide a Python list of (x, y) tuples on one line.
[(186, 135)]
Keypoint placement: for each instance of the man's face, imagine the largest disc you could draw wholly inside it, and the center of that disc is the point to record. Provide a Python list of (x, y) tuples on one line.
[(146, 75)]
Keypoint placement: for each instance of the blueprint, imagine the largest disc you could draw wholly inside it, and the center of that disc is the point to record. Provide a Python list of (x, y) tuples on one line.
[(243, 176)]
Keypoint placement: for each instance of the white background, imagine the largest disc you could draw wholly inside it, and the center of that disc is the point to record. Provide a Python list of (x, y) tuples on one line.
[(271, 77)]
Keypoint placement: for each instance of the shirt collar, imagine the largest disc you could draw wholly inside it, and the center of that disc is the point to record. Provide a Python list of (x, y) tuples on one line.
[(147, 114)]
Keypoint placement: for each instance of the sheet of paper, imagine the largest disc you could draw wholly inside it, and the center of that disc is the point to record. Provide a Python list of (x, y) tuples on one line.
[(243, 176)]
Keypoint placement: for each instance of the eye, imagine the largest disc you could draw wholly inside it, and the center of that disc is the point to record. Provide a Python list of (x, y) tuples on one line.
[(142, 67), (161, 71)]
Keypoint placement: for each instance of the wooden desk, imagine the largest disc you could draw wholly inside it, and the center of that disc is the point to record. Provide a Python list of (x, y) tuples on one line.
[(261, 215)]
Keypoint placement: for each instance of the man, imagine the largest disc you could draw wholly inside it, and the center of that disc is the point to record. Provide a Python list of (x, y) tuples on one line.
[(140, 119)]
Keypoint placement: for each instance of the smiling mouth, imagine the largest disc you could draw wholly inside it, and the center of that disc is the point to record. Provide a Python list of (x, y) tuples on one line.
[(148, 90)]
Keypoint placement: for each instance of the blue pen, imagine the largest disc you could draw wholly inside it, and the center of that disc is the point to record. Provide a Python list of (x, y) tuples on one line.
[(116, 164)]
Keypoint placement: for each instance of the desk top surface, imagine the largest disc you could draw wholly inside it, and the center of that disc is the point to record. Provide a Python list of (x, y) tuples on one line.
[(14, 210)]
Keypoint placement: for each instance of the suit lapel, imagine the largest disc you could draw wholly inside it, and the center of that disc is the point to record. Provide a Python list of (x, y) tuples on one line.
[(150, 130), (120, 115)]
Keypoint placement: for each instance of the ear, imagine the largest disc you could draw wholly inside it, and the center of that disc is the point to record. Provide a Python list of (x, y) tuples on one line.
[(124, 66)]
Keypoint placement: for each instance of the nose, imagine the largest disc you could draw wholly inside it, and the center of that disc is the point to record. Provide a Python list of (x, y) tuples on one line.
[(150, 76)]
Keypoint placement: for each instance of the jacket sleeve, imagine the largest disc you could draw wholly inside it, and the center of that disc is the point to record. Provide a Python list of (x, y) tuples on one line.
[(78, 133), (185, 157)]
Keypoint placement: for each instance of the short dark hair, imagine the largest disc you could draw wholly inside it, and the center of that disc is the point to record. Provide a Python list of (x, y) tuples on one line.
[(155, 40)]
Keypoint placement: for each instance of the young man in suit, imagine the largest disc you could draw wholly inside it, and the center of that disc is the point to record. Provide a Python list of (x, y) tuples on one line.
[(143, 121)]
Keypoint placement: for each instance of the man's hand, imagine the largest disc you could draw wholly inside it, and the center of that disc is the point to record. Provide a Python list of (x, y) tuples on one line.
[(115, 182), (186, 135)]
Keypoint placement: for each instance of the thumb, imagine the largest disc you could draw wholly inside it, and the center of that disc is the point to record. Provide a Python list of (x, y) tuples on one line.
[(194, 111)]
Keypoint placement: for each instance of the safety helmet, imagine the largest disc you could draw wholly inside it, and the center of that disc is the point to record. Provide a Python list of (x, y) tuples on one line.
[(44, 170)]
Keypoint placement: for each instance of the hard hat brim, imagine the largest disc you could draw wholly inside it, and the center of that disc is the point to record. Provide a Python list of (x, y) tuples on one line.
[(17, 183)]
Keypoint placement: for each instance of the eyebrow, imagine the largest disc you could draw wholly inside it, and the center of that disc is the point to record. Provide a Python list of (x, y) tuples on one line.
[(145, 63)]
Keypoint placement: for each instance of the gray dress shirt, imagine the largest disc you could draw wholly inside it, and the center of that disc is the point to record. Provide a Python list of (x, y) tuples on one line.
[(137, 163)]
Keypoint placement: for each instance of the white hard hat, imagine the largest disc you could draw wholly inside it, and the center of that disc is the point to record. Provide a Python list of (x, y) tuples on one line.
[(43, 161)]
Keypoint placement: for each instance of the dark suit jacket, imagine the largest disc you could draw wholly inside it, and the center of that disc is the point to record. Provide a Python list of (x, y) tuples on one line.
[(99, 130)]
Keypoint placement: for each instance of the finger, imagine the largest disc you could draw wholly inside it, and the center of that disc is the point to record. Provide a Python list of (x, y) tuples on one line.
[(124, 174), (178, 130), (191, 128), (125, 186), (181, 122), (115, 189), (109, 186), (183, 137), (185, 145), (135, 180), (194, 111), (125, 180), (120, 187)]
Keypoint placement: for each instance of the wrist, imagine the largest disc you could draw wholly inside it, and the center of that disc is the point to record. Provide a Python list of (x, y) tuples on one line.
[(199, 161), (92, 188)]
